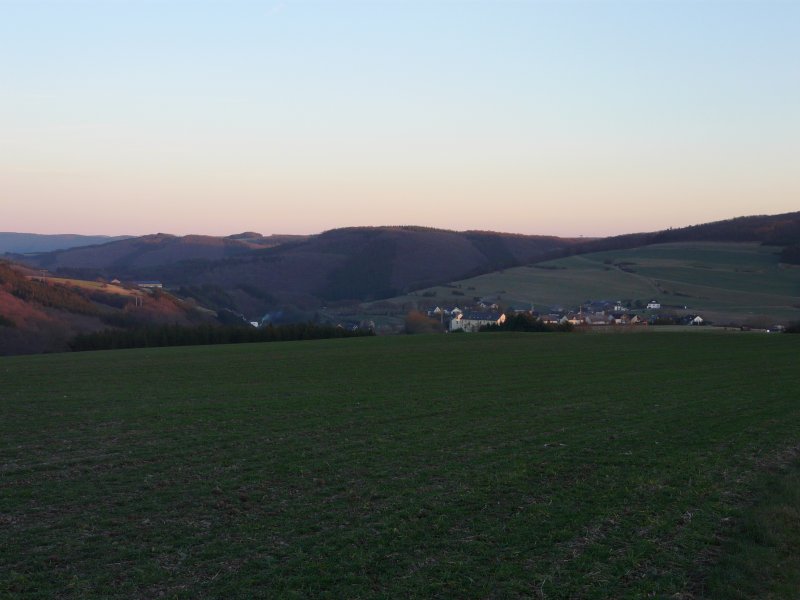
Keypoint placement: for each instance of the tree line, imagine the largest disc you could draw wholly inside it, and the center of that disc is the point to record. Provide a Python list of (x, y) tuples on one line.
[(181, 335)]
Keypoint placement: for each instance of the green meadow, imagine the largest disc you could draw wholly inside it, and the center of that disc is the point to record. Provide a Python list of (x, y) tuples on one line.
[(725, 281), (472, 466)]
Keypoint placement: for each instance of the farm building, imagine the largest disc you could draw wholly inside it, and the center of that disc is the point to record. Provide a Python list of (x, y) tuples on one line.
[(576, 319), (553, 319), (473, 321)]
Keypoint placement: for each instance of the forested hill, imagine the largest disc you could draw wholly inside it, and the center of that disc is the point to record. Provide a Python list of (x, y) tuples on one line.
[(775, 230), (253, 274), (130, 256), (358, 263)]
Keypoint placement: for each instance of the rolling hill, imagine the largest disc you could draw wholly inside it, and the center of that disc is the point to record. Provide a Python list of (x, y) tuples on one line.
[(771, 230), (252, 274), (42, 315), (26, 243), (350, 264), (725, 281), (141, 254)]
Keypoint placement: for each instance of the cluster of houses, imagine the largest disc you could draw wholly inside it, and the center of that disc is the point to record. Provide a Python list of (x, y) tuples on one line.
[(468, 320), (473, 320), (594, 314)]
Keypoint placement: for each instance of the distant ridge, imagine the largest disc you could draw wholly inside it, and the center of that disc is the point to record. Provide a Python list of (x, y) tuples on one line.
[(773, 230), (129, 255), (27, 243), (253, 274)]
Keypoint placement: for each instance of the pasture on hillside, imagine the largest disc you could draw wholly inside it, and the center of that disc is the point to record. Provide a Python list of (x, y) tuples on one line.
[(472, 466), (723, 281)]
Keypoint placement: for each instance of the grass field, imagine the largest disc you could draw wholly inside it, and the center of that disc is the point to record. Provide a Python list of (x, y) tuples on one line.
[(473, 466), (724, 281), (95, 286)]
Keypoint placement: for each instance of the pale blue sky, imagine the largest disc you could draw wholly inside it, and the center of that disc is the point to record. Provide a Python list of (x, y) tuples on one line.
[(566, 118)]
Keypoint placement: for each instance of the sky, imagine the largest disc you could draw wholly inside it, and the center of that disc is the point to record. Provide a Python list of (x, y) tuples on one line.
[(558, 118)]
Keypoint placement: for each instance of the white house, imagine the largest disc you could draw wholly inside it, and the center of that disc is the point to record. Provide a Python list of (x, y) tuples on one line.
[(553, 319), (473, 321), (576, 319), (653, 305)]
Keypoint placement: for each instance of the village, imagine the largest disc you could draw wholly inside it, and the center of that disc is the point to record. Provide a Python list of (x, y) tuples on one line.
[(593, 313), (484, 312)]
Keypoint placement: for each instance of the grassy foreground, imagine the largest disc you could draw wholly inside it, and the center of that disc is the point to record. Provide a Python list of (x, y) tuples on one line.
[(489, 465)]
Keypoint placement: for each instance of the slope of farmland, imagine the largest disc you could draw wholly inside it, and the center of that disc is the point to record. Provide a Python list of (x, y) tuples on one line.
[(725, 281), (362, 468)]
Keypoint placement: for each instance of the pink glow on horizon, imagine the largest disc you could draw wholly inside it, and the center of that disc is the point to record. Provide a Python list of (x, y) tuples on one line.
[(545, 118)]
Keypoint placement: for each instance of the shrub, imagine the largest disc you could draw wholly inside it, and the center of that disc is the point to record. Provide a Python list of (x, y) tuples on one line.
[(417, 322)]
